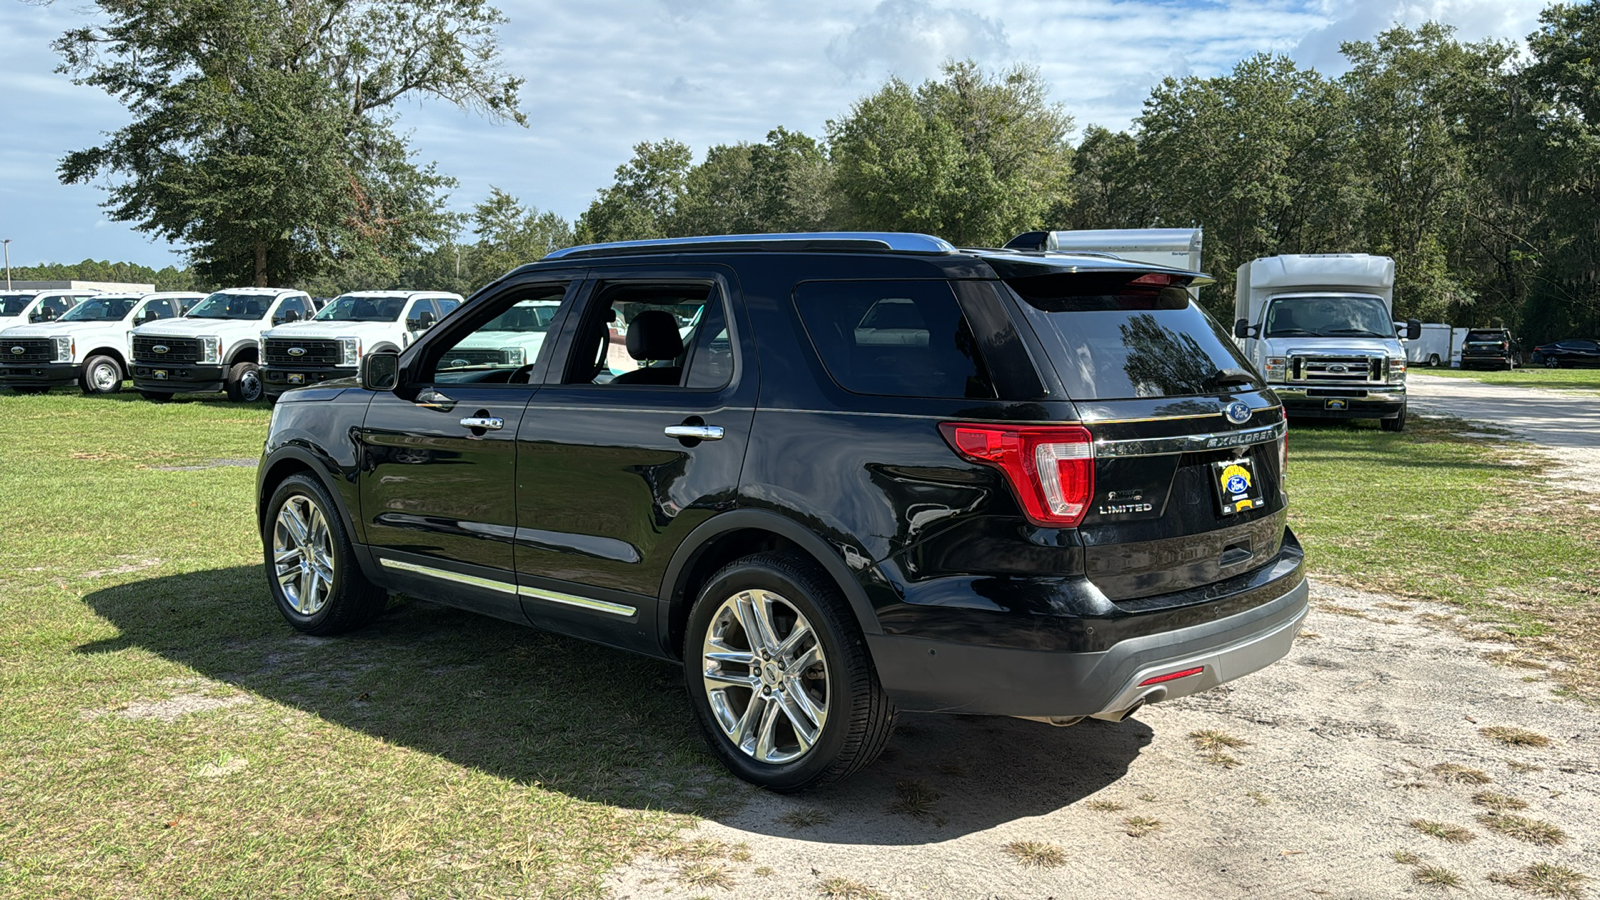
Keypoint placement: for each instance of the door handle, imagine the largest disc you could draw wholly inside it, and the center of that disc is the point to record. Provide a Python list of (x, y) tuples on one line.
[(695, 432), (490, 423)]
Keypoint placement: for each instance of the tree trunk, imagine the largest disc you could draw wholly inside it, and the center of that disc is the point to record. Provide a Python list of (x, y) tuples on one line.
[(261, 263)]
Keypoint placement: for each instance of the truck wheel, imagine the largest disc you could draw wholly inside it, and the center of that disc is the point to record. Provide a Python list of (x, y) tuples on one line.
[(156, 396), (1433, 360), (311, 567), (101, 375), (244, 383), (1398, 423), (779, 676)]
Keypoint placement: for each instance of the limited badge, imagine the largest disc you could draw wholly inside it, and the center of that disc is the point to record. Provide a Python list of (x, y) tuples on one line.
[(1235, 484)]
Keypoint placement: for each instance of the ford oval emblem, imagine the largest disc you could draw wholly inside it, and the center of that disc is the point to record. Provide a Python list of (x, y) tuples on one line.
[(159, 348), (1338, 369), (1238, 412), (19, 350), (297, 351)]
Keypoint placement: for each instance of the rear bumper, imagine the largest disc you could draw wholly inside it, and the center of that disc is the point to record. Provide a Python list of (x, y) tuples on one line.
[(277, 379), (952, 676), (1487, 361), (178, 379), (1342, 403), (39, 374)]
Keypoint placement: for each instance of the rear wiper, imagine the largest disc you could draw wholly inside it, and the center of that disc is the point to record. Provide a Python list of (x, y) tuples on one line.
[(1230, 378)]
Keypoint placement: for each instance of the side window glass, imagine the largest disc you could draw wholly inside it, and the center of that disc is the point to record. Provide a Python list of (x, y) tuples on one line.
[(711, 360), (503, 349), (445, 305), (420, 315), (641, 333), (158, 309), (894, 338)]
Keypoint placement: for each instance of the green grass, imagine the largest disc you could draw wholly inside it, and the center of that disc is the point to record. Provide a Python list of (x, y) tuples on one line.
[(1528, 377), (1429, 515), (437, 752)]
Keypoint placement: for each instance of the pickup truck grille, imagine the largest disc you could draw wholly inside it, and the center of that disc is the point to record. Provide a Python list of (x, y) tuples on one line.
[(178, 349), (34, 350), (474, 356), (318, 352), (1337, 369)]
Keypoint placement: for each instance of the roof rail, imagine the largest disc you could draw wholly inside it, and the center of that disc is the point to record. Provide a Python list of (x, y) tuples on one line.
[(904, 242)]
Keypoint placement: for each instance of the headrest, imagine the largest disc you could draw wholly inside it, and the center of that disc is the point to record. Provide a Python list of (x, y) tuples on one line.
[(653, 334)]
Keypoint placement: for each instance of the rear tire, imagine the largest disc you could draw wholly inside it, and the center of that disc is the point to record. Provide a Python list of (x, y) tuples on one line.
[(1433, 361), (244, 383), (101, 375), (157, 396), (311, 566), (760, 715), (1550, 362), (1398, 423)]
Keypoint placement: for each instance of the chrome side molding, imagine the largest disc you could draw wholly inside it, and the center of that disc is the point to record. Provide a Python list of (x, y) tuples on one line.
[(605, 606)]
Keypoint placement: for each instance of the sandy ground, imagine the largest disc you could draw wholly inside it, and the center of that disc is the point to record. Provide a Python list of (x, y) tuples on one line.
[(1564, 425), (1343, 739)]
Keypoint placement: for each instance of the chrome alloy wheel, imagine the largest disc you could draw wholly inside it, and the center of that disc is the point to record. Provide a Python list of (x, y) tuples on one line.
[(302, 555), (765, 676), (105, 377), (250, 386)]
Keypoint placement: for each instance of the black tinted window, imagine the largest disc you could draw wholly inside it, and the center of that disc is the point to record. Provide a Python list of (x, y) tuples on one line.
[(896, 338), (1114, 339)]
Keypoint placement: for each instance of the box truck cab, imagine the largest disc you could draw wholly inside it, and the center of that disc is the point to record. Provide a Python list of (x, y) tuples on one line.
[(1320, 327)]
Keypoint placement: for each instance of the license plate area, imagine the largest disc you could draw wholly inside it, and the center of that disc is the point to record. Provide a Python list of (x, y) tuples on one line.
[(1235, 485), (159, 374), (1336, 403), (297, 378)]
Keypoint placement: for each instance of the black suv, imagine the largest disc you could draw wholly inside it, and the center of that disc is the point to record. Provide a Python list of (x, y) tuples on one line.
[(835, 475), (1490, 348)]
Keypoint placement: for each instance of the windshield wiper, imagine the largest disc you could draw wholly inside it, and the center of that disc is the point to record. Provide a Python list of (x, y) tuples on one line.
[(1282, 332), (1222, 378), (1354, 331)]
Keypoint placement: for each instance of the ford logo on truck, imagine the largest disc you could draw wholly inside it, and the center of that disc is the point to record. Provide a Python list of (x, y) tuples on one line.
[(297, 351), (159, 348), (18, 351)]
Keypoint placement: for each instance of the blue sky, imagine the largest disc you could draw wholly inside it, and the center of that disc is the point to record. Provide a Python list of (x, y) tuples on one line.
[(605, 74)]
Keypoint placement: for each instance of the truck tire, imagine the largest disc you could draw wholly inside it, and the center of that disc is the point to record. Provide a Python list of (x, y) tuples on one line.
[(1398, 423), (244, 383), (798, 705), (312, 571), (1433, 360), (101, 375), (156, 396)]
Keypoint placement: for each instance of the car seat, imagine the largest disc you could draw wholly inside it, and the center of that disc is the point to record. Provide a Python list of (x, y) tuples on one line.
[(653, 336)]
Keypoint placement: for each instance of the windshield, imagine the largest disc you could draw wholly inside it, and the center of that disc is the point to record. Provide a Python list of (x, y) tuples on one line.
[(1111, 340), (100, 309), (363, 309), (223, 305), (14, 304), (1331, 316)]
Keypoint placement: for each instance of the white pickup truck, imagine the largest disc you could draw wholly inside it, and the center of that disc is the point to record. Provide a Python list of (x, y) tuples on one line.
[(88, 344), (331, 344), (33, 307), (215, 346)]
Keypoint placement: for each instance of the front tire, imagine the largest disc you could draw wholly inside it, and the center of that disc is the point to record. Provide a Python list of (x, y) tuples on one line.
[(244, 383), (311, 566), (778, 673), (1398, 423), (101, 375)]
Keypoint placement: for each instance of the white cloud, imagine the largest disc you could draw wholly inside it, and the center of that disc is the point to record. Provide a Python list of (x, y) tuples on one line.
[(912, 38)]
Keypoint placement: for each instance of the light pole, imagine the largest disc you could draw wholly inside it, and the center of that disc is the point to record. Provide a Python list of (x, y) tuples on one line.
[(8, 263)]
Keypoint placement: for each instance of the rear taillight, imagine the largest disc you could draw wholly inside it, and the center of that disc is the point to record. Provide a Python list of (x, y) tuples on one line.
[(1050, 467)]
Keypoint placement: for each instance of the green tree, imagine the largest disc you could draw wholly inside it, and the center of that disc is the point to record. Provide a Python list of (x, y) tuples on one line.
[(642, 201), (510, 235), (261, 134), (778, 186), (972, 158)]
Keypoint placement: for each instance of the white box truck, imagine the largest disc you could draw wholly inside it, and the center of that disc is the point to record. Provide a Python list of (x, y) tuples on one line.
[(1320, 327), (1432, 349), (1178, 248)]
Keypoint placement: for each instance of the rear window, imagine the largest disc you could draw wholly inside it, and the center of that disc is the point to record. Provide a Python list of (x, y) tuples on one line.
[(1486, 335), (1114, 339), (894, 338)]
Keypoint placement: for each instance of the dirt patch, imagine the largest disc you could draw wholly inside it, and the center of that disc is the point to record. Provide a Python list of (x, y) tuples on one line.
[(134, 564), (242, 463), (1332, 766)]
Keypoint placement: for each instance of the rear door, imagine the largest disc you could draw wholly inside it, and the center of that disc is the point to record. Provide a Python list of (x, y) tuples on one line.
[(619, 459), (1188, 487), (439, 469)]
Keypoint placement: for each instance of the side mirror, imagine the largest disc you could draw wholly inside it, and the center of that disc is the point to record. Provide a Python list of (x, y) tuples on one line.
[(292, 315), (425, 320), (1413, 329), (1243, 329), (380, 370)]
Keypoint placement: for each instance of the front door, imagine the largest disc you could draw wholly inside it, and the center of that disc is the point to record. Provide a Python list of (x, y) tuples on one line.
[(440, 455), (637, 437)]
